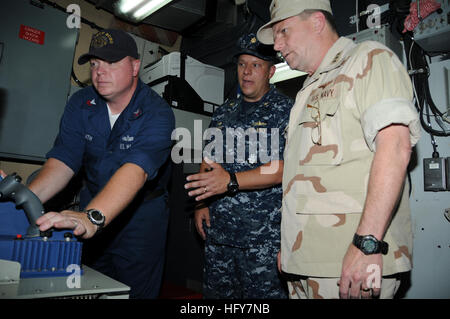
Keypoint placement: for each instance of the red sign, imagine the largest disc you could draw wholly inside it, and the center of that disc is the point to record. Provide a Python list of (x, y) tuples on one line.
[(31, 34)]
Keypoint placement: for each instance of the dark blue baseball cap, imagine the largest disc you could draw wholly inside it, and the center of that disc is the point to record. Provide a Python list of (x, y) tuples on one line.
[(249, 44), (110, 45)]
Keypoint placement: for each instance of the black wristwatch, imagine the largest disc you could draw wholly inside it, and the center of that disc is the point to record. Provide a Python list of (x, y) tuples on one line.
[(233, 186), (369, 245), (96, 217)]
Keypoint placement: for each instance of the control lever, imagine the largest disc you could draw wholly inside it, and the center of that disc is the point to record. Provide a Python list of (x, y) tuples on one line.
[(11, 188)]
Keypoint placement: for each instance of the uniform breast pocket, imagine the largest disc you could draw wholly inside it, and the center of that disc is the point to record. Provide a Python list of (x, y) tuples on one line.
[(320, 128), (94, 149)]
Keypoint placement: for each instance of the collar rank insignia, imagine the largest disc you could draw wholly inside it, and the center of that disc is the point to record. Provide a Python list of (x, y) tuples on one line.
[(137, 113), (337, 57)]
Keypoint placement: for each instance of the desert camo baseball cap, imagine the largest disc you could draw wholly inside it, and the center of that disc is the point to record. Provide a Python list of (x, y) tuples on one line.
[(110, 45), (283, 9)]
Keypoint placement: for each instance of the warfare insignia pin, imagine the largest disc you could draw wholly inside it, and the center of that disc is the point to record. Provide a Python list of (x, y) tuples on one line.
[(259, 123)]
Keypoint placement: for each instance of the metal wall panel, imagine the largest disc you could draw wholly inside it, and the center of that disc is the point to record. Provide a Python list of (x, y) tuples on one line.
[(34, 77), (431, 253)]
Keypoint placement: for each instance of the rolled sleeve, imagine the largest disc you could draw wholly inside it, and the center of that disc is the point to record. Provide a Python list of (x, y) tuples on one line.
[(388, 112), (383, 93)]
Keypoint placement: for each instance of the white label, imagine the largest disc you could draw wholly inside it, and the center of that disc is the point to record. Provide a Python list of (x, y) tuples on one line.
[(434, 166)]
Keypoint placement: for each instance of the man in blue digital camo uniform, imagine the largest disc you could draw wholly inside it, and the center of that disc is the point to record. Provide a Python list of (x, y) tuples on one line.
[(242, 221), (119, 131)]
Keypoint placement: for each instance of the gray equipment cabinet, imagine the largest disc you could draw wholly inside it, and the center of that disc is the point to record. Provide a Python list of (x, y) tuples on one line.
[(36, 55)]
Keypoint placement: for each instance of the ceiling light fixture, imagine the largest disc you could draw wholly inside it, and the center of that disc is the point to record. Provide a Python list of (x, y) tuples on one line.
[(138, 10), (284, 72)]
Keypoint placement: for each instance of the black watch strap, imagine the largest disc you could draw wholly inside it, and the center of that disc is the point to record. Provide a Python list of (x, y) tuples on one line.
[(233, 185), (369, 245)]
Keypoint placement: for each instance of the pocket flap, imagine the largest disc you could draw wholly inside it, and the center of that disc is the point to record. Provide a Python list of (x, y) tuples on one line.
[(321, 109)]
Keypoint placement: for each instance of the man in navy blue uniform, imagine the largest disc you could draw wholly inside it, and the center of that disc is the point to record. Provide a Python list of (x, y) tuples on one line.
[(119, 131), (240, 192)]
